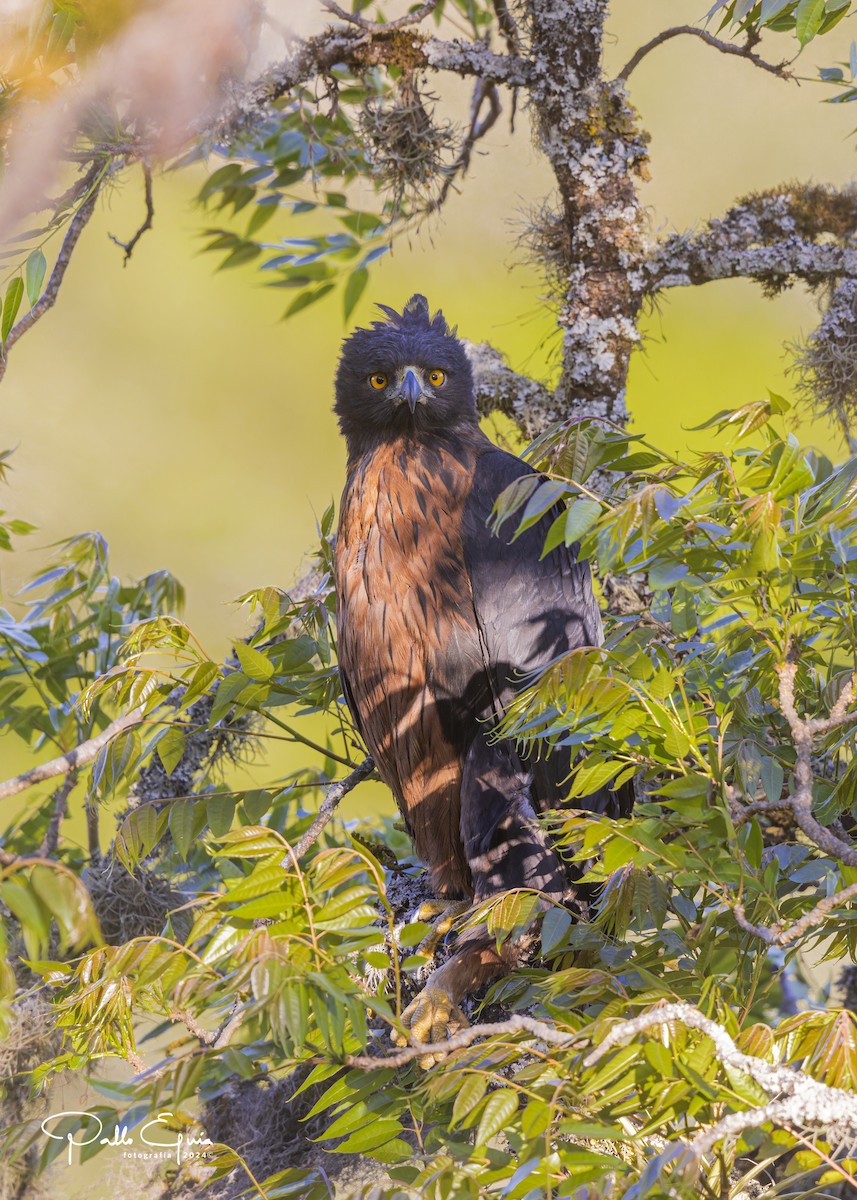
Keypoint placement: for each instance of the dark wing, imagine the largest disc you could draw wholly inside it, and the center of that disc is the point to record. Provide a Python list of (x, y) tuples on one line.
[(529, 610)]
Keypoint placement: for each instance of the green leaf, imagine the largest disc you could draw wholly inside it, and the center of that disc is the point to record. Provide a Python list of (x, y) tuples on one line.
[(171, 748), (305, 299), (354, 289), (254, 663), (496, 1115), (220, 813), (14, 295), (371, 1137), (200, 681), (581, 517), (808, 18), (556, 924), (469, 1095), (34, 274), (183, 825)]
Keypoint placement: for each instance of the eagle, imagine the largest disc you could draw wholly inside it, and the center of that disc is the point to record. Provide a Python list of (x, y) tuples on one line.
[(440, 622)]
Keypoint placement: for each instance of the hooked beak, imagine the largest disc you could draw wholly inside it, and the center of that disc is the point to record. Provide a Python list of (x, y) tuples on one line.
[(412, 390)]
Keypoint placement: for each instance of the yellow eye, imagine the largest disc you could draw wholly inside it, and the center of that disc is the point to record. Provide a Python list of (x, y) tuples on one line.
[(436, 378), (378, 381)]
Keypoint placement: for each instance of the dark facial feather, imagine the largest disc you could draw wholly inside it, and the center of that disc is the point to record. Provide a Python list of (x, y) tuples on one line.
[(411, 338)]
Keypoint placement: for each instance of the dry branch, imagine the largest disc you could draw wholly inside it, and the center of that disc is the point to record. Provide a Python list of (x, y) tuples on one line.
[(803, 731), (52, 833), (745, 51), (412, 18), (146, 224)]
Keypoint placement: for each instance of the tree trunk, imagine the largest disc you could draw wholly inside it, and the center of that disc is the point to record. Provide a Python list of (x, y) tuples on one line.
[(593, 243)]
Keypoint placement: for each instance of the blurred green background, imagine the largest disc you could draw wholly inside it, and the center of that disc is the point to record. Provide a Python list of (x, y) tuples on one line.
[(168, 405)]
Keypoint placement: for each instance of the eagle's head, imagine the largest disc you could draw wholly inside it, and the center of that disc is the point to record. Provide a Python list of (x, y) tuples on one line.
[(408, 373)]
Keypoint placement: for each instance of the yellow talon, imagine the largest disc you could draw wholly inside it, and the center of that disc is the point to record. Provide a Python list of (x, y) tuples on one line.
[(433, 1017)]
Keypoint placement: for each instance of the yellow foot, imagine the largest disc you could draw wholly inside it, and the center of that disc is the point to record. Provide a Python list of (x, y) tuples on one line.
[(432, 1017), (446, 913)]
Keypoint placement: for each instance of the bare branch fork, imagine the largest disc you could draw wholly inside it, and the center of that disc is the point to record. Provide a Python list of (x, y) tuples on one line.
[(412, 18), (745, 51)]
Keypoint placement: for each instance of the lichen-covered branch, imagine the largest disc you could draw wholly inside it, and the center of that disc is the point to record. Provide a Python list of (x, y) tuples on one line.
[(774, 238), (360, 49), (591, 137), (799, 1101), (528, 403), (826, 361), (460, 1041)]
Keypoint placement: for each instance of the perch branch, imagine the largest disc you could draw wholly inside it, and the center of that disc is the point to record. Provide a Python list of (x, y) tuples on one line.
[(49, 295), (128, 247), (329, 804), (782, 935), (74, 759), (800, 1101), (515, 1025), (745, 51)]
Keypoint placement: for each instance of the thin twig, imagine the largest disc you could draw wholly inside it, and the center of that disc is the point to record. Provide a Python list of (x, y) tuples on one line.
[(128, 247), (52, 834), (48, 298), (778, 69), (478, 128), (381, 26), (74, 759), (329, 804), (782, 935)]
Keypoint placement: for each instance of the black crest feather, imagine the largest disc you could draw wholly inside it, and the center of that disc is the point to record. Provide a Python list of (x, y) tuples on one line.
[(416, 314)]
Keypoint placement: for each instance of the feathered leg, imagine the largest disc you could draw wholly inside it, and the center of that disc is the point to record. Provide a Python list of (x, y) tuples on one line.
[(505, 848)]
